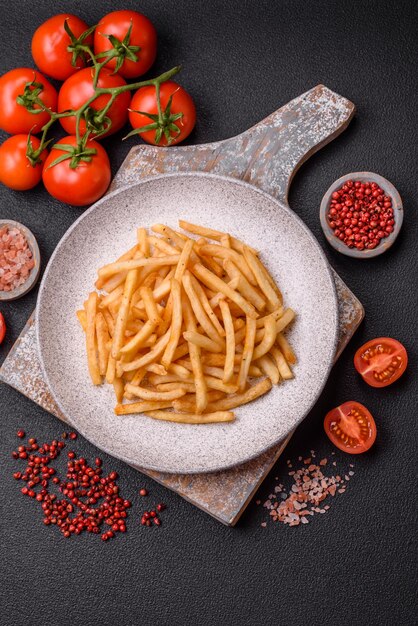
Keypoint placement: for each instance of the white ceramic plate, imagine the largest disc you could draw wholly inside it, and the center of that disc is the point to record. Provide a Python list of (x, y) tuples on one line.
[(103, 233)]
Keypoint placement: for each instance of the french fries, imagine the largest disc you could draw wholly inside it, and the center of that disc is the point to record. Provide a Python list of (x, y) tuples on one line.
[(181, 327)]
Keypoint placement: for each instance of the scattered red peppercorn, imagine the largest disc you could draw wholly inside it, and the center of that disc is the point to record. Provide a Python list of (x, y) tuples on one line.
[(73, 435), (360, 214), (161, 507), (143, 492), (20, 433), (71, 515)]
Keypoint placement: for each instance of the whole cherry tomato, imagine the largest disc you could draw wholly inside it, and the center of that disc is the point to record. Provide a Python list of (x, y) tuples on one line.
[(381, 361), (14, 117), (137, 49), (50, 45), (79, 88), (179, 114), (351, 427), (16, 169), (83, 184), (2, 327)]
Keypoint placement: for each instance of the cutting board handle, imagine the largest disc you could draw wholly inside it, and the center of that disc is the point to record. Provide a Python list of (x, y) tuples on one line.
[(266, 155)]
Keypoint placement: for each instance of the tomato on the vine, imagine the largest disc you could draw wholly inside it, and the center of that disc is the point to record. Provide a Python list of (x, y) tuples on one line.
[(178, 114), (14, 117), (132, 36), (16, 169), (79, 88), (381, 361), (50, 45), (80, 185), (351, 427), (2, 327)]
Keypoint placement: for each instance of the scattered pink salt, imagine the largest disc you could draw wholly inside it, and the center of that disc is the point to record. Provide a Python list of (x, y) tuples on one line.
[(15, 258), (310, 487)]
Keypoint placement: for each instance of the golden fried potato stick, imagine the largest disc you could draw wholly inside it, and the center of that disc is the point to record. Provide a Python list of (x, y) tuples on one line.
[(184, 260), (150, 305), (113, 268), (102, 284), (162, 245), (212, 250), (111, 297), (195, 358), (277, 314), (237, 400), (149, 394), (268, 340), (119, 386), (268, 366), (111, 370), (192, 418), (151, 356), (166, 231), (284, 369), (140, 407), (122, 316), (176, 323), (91, 308), (230, 341), (143, 243), (286, 348), (200, 292), (212, 234), (258, 270), (102, 334), (129, 350), (199, 311), (247, 353), (244, 286), (202, 341), (188, 387), (215, 283), (284, 320), (82, 318)]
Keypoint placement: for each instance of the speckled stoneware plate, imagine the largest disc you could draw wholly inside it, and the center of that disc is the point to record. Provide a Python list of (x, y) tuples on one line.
[(104, 232)]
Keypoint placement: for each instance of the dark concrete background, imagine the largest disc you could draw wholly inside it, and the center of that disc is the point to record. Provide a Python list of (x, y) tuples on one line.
[(355, 565)]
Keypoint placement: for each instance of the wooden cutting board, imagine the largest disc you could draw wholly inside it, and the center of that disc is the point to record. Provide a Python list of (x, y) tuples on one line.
[(267, 155)]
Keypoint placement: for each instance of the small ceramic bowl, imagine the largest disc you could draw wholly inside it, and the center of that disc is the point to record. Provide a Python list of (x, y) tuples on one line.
[(6, 296), (389, 190)]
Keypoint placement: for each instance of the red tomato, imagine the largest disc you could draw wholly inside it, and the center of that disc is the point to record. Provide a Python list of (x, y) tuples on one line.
[(2, 327), (181, 115), (351, 427), (16, 171), (381, 361), (79, 88), (143, 35), (82, 185), (50, 45), (14, 118)]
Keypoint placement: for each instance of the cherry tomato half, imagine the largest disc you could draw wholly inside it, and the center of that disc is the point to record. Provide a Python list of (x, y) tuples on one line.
[(79, 88), (351, 427), (82, 185), (16, 171), (50, 45), (143, 34), (145, 100), (2, 327), (381, 361), (14, 118)]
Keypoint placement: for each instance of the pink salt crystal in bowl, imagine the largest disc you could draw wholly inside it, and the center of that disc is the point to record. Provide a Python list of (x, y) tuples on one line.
[(20, 260)]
